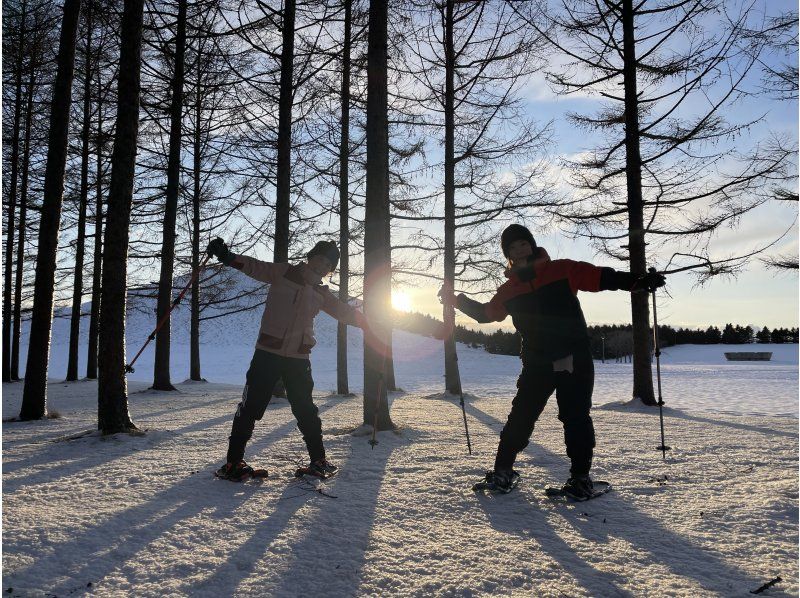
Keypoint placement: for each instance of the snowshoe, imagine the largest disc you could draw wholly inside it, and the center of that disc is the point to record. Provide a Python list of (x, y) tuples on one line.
[(580, 489), (239, 472), (321, 468), (499, 482)]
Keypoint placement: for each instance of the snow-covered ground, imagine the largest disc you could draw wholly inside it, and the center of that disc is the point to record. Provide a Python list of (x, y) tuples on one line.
[(143, 515)]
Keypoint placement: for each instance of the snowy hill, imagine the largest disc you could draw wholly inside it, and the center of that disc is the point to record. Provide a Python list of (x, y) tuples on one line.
[(694, 376)]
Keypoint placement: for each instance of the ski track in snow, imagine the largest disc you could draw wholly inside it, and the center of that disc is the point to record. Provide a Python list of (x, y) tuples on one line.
[(143, 516)]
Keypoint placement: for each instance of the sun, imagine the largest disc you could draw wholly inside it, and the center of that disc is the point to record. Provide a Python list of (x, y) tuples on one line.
[(401, 301)]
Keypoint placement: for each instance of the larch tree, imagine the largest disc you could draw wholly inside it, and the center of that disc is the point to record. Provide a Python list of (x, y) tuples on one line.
[(161, 368), (34, 397), (673, 166), (113, 414), (377, 249)]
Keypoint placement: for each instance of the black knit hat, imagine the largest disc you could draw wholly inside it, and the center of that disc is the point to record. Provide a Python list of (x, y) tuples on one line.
[(515, 232), (328, 249)]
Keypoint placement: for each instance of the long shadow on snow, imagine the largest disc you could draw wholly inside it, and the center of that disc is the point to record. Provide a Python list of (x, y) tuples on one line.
[(82, 458), (332, 533), (344, 538), (694, 562), (80, 454), (672, 412), (106, 546), (535, 526)]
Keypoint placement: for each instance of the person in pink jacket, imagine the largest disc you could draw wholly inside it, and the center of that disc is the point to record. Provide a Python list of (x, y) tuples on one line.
[(286, 337)]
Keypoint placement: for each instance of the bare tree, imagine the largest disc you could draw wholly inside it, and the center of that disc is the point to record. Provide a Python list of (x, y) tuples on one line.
[(668, 173), (77, 290), (15, 144), (161, 374), (469, 60), (342, 384), (113, 414), (377, 250), (34, 397)]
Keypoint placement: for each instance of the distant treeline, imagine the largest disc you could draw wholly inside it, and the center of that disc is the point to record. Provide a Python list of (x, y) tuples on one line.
[(609, 342)]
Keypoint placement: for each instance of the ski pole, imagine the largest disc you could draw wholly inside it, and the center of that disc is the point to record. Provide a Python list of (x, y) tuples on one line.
[(129, 367), (373, 441), (663, 448), (466, 428)]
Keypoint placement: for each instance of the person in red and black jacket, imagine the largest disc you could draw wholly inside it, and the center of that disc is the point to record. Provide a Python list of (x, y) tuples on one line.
[(540, 295)]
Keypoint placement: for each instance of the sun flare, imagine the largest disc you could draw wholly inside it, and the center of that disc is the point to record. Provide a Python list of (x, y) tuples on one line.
[(401, 301)]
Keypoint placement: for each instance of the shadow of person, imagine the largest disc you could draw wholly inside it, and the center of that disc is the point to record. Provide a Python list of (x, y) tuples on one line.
[(117, 541), (625, 521), (321, 539)]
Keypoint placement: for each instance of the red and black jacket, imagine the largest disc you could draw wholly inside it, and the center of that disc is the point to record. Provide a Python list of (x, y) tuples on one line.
[(543, 304)]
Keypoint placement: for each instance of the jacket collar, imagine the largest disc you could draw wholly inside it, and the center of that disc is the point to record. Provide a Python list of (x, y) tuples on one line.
[(526, 272), (294, 273)]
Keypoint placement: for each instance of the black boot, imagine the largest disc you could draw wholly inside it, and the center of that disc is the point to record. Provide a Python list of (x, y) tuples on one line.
[(579, 487), (499, 480), (239, 472)]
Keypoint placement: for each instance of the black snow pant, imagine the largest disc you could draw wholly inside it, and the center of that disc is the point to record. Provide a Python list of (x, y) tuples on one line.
[(574, 395), (265, 370)]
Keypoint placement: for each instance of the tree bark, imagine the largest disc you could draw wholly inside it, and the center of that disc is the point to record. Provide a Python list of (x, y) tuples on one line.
[(97, 266), (194, 333), (377, 267), (34, 395), (640, 310), (12, 198), (161, 375), (342, 382), (80, 247), (452, 378), (23, 214), (283, 183), (113, 415)]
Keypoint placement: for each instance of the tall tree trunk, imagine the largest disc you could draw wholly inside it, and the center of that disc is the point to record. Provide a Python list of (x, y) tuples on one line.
[(283, 183), (12, 198), (23, 214), (97, 266), (377, 269), (640, 310), (34, 395), (161, 377), (77, 287), (452, 378), (342, 383), (112, 414), (194, 340)]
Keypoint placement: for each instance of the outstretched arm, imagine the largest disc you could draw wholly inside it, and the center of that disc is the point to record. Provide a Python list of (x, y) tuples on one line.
[(494, 311), (348, 314), (587, 277), (261, 271), (342, 312)]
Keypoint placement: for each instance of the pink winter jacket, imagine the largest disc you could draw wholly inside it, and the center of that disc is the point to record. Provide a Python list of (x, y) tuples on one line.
[(287, 326)]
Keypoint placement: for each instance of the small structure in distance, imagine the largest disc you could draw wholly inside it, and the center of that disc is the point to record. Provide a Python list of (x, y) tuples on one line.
[(749, 356)]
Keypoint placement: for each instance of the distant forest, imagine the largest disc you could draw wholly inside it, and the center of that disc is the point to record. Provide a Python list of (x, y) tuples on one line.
[(609, 342)]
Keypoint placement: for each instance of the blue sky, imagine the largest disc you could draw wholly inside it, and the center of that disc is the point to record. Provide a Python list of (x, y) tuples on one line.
[(757, 296)]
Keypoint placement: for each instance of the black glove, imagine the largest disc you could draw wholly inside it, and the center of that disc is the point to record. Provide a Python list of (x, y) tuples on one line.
[(649, 282), (219, 249)]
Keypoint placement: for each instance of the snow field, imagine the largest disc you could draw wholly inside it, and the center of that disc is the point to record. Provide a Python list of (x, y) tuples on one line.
[(143, 516)]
